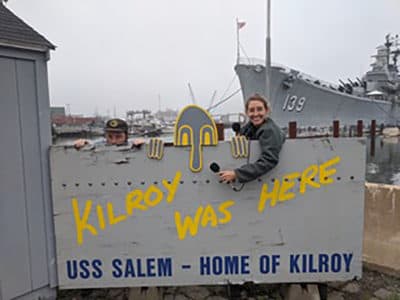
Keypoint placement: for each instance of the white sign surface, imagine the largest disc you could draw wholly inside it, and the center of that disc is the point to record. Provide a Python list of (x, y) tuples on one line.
[(123, 219)]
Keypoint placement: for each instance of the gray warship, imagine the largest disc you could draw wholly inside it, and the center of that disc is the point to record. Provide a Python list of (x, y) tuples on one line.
[(298, 97)]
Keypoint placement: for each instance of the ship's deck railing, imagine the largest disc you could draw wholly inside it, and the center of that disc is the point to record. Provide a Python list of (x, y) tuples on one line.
[(253, 61)]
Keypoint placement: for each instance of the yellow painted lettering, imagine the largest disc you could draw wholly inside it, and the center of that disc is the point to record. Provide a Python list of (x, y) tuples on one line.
[(324, 173), (82, 223), (187, 224), (307, 178), (288, 182), (265, 195), (132, 201), (172, 187), (223, 208), (100, 217), (112, 219), (209, 217), (153, 190)]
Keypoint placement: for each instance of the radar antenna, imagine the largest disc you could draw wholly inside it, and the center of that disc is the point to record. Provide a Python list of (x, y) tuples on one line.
[(396, 51)]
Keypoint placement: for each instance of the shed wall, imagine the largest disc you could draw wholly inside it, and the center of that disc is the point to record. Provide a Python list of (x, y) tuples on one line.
[(25, 219)]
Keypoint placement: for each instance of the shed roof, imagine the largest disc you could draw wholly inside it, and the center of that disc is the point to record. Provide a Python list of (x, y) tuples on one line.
[(16, 33)]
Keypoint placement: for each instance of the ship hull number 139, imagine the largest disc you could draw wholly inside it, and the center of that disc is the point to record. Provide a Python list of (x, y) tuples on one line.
[(294, 103)]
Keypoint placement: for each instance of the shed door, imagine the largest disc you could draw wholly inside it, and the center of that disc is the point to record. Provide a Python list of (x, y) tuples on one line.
[(23, 265)]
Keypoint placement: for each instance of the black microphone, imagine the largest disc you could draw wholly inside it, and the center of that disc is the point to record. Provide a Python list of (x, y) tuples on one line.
[(236, 127), (215, 167)]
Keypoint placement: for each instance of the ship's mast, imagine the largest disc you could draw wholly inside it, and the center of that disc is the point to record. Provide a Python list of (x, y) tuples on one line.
[(267, 91), (388, 44), (396, 51)]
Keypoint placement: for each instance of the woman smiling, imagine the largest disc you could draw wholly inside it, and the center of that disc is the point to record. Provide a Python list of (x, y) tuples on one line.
[(260, 127)]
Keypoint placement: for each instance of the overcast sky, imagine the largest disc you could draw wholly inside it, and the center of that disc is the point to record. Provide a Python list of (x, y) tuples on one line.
[(124, 53)]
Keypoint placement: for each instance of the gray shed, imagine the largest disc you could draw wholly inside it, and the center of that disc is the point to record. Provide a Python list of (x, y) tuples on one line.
[(27, 261)]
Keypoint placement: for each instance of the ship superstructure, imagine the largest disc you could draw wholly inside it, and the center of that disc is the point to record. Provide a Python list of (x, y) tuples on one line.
[(309, 101)]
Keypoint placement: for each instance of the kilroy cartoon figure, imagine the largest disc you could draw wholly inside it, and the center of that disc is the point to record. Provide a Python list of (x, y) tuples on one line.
[(195, 127)]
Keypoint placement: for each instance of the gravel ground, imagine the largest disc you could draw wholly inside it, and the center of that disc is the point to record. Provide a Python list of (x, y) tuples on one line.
[(373, 285)]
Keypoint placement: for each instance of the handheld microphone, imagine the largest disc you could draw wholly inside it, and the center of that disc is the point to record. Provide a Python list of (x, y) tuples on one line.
[(215, 167), (236, 127)]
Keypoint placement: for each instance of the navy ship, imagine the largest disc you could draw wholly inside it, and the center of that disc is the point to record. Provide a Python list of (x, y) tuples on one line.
[(309, 101)]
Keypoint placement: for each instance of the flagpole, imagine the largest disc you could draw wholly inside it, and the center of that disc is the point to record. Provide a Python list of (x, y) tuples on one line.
[(237, 42), (268, 53)]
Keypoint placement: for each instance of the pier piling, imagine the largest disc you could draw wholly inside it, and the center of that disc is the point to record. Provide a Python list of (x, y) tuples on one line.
[(359, 128), (292, 130), (336, 129)]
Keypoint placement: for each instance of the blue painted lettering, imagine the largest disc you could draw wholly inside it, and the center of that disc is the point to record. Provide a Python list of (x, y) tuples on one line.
[(72, 269), (320, 263), (294, 260), (269, 264), (97, 273), (336, 261), (117, 264), (164, 267), (347, 261), (150, 267), (205, 268), (323, 263), (217, 265), (139, 268), (84, 269), (84, 273), (142, 267), (312, 269), (129, 269), (226, 265), (231, 265)]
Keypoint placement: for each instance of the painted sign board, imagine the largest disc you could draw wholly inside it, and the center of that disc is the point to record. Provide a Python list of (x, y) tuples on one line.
[(159, 216)]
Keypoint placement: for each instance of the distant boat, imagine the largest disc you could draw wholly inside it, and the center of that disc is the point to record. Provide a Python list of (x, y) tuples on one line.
[(143, 123), (75, 126), (298, 97)]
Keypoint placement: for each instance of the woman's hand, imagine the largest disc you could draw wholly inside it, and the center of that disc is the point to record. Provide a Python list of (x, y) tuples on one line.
[(227, 176)]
